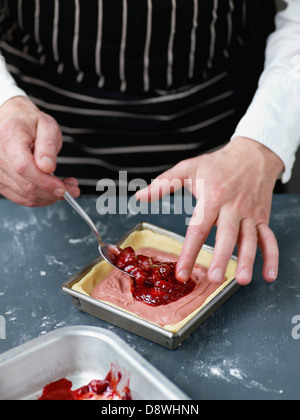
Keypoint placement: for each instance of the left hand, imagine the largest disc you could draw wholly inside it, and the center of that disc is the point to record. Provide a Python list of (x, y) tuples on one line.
[(29, 144), (239, 180)]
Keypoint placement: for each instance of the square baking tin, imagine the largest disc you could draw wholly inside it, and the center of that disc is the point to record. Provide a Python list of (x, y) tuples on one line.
[(80, 354), (134, 324)]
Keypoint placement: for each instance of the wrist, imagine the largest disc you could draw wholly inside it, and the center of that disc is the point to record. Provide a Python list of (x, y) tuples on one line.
[(17, 104), (17, 101), (255, 151)]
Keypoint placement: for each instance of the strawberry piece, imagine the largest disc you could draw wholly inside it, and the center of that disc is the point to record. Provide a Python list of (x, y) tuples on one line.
[(126, 257), (144, 262)]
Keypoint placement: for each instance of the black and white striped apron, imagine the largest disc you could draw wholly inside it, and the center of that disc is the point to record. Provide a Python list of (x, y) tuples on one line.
[(136, 85)]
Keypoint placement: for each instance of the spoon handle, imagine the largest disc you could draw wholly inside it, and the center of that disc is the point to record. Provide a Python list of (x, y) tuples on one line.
[(84, 215)]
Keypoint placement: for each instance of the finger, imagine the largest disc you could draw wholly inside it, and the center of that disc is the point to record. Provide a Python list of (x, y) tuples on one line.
[(72, 188), (226, 239), (18, 199), (71, 181), (12, 191), (166, 183), (247, 247), (22, 168), (18, 188), (71, 185), (269, 246), (9, 183), (11, 195), (47, 145), (197, 233)]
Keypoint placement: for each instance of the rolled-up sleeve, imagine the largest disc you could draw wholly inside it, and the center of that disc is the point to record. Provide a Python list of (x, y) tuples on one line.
[(273, 118)]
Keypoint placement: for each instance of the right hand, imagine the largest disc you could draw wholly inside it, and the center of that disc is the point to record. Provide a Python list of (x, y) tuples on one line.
[(237, 198), (29, 144)]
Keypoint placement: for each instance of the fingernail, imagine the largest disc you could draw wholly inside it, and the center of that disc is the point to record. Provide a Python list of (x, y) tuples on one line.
[(272, 275), (59, 192), (47, 161), (217, 276)]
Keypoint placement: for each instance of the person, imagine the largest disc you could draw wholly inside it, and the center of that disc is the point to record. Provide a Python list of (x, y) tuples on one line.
[(164, 89)]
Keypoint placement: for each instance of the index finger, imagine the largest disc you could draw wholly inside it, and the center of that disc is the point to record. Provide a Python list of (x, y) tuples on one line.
[(197, 233)]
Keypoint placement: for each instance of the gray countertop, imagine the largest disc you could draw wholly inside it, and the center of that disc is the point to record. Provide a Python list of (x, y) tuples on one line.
[(245, 350)]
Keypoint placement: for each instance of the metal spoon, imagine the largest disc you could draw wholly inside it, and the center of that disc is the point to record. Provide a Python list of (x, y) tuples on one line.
[(107, 251)]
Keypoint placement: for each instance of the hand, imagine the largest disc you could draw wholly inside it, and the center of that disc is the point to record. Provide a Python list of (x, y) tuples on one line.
[(239, 180), (29, 144)]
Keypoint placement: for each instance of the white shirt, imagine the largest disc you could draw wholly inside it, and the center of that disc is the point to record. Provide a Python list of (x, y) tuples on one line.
[(273, 118)]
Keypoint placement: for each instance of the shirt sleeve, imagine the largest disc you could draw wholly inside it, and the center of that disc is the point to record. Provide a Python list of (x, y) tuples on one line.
[(8, 86), (273, 118)]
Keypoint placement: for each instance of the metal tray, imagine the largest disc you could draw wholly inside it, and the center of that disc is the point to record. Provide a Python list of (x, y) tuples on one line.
[(79, 354), (131, 322)]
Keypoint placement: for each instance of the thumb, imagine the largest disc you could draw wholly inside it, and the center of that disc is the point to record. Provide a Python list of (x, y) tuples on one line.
[(47, 144)]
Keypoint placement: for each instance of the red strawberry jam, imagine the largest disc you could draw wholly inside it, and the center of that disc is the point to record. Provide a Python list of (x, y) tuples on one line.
[(154, 282), (103, 390)]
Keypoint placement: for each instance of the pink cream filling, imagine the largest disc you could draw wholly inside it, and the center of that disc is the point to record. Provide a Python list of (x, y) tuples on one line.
[(116, 289)]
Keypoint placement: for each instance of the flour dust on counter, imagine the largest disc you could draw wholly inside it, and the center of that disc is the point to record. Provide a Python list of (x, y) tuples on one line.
[(230, 371)]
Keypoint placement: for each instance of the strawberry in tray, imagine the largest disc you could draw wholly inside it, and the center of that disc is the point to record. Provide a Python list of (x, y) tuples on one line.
[(154, 282)]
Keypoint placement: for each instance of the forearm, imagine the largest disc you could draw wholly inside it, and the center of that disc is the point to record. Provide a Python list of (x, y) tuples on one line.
[(273, 116)]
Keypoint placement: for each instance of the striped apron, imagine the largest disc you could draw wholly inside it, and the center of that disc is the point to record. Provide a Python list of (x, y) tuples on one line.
[(136, 85)]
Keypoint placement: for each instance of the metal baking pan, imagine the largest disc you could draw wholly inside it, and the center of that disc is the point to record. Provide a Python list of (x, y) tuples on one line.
[(80, 354), (133, 323)]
